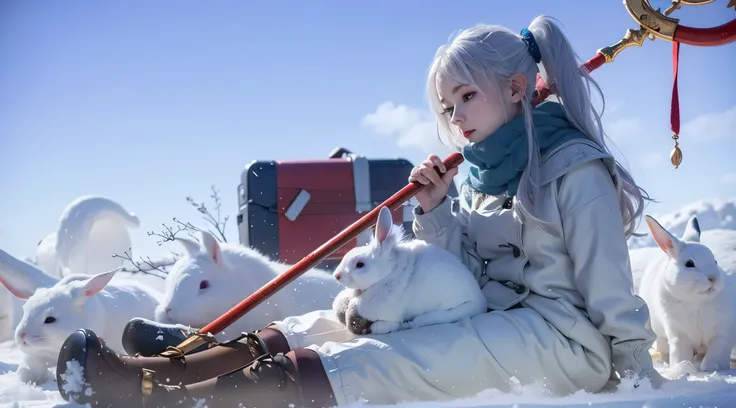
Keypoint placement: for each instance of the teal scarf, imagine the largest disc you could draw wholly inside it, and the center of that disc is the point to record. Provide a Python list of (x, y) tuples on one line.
[(498, 161)]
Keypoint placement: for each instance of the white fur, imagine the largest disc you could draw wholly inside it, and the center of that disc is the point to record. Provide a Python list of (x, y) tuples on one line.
[(408, 284), (26, 277), (75, 301), (233, 272), (90, 230), (690, 298)]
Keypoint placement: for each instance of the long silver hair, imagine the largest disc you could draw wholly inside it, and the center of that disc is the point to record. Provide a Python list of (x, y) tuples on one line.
[(486, 56)]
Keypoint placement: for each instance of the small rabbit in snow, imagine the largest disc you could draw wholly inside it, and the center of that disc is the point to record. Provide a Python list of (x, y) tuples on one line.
[(689, 295), (407, 284), (212, 278), (54, 309)]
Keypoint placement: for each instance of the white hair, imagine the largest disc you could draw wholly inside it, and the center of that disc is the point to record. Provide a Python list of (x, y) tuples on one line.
[(490, 55)]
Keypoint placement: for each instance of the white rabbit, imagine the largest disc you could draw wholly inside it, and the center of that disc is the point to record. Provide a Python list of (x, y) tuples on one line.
[(689, 296), (55, 309), (212, 278), (91, 229), (26, 278), (409, 283)]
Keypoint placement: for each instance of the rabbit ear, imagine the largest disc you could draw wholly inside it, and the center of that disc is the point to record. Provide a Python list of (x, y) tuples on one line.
[(98, 282), (22, 278), (383, 224), (192, 248), (692, 230), (663, 238), (212, 247)]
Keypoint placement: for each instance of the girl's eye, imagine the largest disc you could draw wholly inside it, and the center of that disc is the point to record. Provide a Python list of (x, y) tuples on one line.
[(468, 96), (448, 111)]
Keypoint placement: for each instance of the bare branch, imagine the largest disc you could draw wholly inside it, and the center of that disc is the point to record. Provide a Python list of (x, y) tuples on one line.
[(169, 233), (216, 221), (146, 266)]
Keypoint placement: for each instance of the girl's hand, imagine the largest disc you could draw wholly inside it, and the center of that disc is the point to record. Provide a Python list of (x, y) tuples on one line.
[(436, 185)]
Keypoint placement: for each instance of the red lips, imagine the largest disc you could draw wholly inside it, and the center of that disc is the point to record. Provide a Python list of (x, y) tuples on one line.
[(468, 132)]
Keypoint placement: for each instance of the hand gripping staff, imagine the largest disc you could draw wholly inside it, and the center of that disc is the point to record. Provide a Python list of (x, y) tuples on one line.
[(205, 334), (657, 24)]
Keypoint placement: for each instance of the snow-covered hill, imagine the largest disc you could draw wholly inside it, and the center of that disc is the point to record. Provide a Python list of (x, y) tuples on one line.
[(712, 214)]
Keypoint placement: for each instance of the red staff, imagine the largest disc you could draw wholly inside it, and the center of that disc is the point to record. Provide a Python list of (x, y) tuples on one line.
[(652, 24), (205, 334)]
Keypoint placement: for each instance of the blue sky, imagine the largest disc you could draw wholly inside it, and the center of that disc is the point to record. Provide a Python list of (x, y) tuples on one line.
[(148, 102)]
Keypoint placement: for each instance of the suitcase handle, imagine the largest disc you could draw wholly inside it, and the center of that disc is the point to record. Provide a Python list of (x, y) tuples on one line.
[(338, 152)]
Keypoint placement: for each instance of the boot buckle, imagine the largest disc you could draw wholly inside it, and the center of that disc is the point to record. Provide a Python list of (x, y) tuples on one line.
[(147, 382)]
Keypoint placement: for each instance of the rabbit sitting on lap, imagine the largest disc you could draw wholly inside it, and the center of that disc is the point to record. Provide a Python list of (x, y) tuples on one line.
[(54, 309), (406, 284), (690, 298)]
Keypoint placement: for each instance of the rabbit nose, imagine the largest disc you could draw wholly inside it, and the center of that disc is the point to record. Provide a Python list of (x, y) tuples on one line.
[(167, 309), (711, 279), (22, 335), (338, 276)]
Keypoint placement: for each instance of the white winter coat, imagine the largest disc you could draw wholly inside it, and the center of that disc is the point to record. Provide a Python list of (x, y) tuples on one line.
[(577, 276)]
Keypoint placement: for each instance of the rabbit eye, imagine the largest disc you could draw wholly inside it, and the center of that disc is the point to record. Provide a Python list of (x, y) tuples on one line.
[(359, 265), (204, 284), (690, 263), (49, 319)]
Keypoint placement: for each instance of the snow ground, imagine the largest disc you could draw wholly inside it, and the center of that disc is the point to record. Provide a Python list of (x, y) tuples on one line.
[(699, 390)]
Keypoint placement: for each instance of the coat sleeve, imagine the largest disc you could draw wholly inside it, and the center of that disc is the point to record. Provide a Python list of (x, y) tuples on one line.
[(443, 228), (595, 238)]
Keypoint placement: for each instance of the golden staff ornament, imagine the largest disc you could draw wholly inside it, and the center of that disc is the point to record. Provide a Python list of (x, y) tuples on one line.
[(657, 24)]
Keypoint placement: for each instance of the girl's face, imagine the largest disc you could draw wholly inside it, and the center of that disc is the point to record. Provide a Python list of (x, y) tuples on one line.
[(477, 114)]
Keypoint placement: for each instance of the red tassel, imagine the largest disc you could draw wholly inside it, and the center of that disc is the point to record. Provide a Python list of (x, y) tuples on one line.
[(675, 108), (676, 155)]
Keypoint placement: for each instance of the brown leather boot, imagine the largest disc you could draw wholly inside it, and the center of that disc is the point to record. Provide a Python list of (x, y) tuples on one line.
[(295, 379), (86, 363), (217, 360), (89, 373)]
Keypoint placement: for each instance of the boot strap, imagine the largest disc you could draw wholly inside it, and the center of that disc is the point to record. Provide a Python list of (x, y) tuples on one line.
[(255, 344), (147, 382), (147, 385)]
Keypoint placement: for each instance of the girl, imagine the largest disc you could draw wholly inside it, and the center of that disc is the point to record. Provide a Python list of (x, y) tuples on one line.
[(543, 222)]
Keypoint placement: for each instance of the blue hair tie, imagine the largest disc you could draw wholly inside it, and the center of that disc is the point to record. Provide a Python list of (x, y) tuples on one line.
[(531, 45)]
